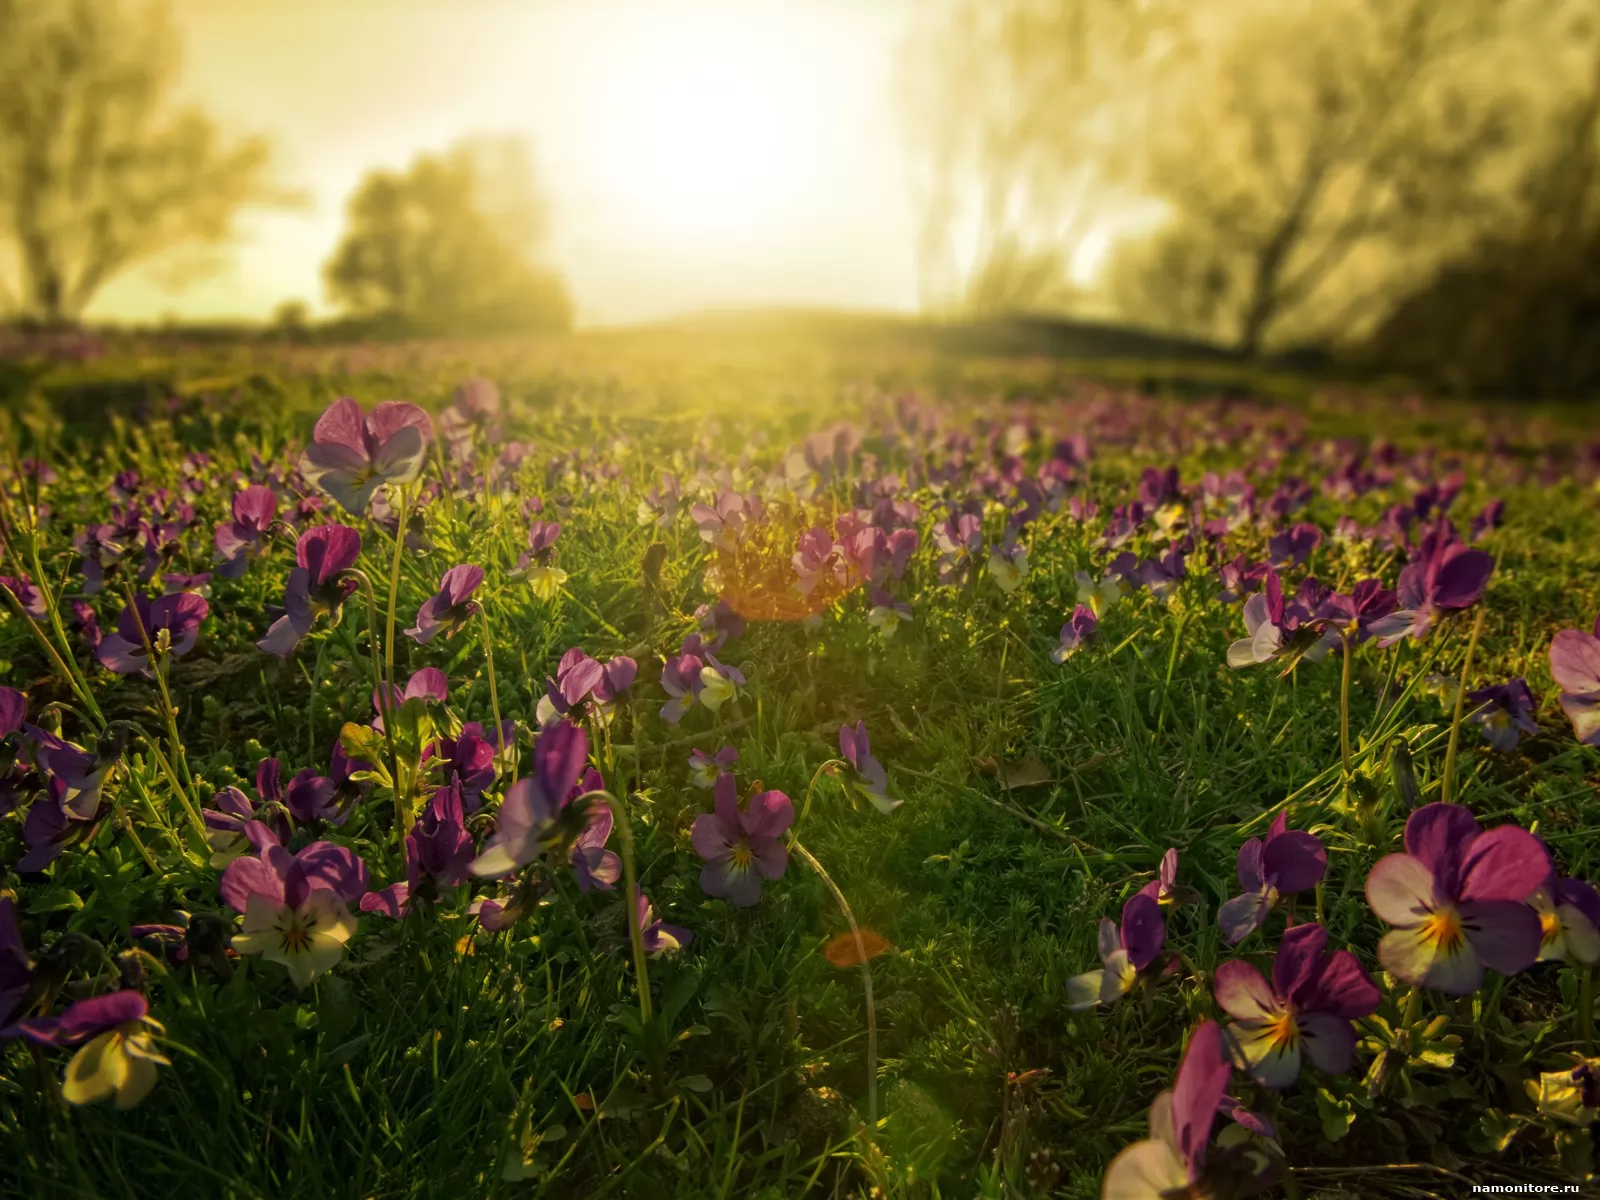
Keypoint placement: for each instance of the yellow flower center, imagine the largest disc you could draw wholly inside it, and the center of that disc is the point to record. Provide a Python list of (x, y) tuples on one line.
[(1549, 926), (295, 934), (1443, 928), (1284, 1031), (741, 857)]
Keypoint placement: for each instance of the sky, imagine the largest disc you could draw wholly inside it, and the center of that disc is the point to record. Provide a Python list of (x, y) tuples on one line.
[(698, 153)]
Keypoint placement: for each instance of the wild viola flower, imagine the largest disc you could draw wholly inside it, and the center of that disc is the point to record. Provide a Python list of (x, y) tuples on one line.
[(958, 538), (525, 826), (680, 679), (151, 630), (352, 455), (254, 510), (439, 852), (295, 906), (719, 683), (13, 711), (741, 847), (1443, 576), (230, 811), (449, 609), (1076, 633), (1304, 1012), (660, 504), (1488, 520), (537, 563), (1162, 576), (1100, 595), (1274, 627), (1172, 1161), (312, 797), (584, 686), (705, 769), (318, 585), (886, 613), (1504, 712), (100, 547), (1294, 545), (813, 558), (1008, 565), (117, 1056), (593, 866), (722, 524), (1457, 899), (659, 937), (1239, 578), (1354, 615), (1126, 950), (872, 781), (1288, 861), (28, 597), (1575, 664), (1569, 920)]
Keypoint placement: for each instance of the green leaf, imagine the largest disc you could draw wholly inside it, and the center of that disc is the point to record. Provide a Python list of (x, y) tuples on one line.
[(1337, 1115)]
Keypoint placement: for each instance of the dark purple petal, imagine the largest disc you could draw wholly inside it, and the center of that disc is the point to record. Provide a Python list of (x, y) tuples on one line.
[(1505, 934), (1438, 835), (1507, 863), (1251, 876), (1299, 957), (1328, 1041), (1202, 1081), (1342, 989), (1463, 575), (1144, 931), (1294, 861), (460, 582), (13, 711)]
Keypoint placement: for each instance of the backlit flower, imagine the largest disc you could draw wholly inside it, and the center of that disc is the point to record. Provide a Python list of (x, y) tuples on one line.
[(318, 585), (1075, 634), (1456, 898), (872, 781), (151, 630), (1126, 949), (352, 455), (659, 937), (117, 1055), (1305, 1012), (1575, 664), (1171, 1163), (741, 847), (1288, 861), (525, 825)]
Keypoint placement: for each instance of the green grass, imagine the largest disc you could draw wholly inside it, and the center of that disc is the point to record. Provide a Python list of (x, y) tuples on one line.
[(436, 1063)]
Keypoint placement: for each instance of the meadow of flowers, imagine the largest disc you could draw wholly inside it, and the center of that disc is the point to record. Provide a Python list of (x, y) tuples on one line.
[(884, 782)]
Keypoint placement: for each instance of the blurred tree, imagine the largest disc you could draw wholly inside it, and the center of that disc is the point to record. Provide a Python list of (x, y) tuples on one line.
[(1327, 148), (452, 243), (96, 175), (1017, 114)]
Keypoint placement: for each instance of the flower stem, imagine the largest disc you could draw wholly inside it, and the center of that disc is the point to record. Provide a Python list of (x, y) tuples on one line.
[(866, 978), (631, 885), (394, 587), (385, 694), (1445, 786), (1344, 709), (168, 712), (494, 691), (816, 776), (1586, 1010)]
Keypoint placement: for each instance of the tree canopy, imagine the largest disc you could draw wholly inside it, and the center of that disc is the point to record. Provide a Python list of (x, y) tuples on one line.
[(97, 172), (455, 241)]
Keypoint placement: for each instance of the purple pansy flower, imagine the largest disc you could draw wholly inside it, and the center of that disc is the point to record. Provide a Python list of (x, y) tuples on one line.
[(584, 686), (439, 851), (872, 781), (351, 456), (1076, 633), (525, 823), (1163, 889), (680, 679), (1457, 899), (312, 797), (1356, 613), (659, 937), (1270, 621), (100, 547), (13, 711), (1172, 1161), (741, 847), (1294, 545), (1575, 664), (117, 1055), (1504, 713), (449, 609), (536, 564), (1443, 575), (592, 864), (1126, 949), (295, 906), (1305, 1010), (28, 597), (1288, 861), (150, 629), (317, 585), (16, 973), (705, 769), (254, 510), (1569, 920)]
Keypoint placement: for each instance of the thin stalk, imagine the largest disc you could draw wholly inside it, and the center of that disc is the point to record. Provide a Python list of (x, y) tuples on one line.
[(402, 808), (1455, 722), (68, 677), (1586, 1010), (631, 885), (168, 712), (494, 691), (126, 825), (60, 630), (1344, 710), (1172, 662), (394, 586), (155, 815), (195, 818), (866, 978), (816, 776)]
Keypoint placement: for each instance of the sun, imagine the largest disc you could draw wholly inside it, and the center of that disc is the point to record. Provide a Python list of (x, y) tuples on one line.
[(713, 122)]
